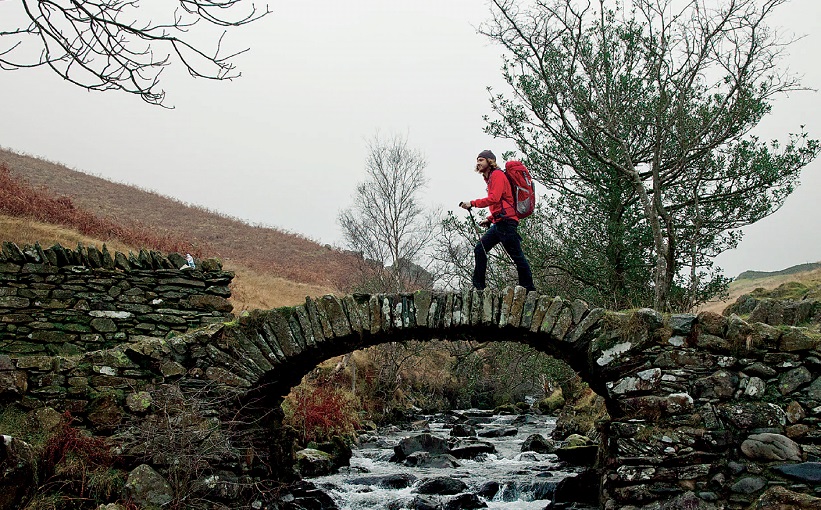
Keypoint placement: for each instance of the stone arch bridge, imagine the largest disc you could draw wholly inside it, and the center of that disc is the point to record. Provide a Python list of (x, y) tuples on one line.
[(700, 405)]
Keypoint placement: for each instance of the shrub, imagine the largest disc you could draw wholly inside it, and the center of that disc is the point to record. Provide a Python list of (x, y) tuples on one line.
[(319, 412), (70, 445)]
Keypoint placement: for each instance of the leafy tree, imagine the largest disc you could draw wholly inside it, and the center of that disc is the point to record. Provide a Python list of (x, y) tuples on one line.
[(661, 99), (387, 224), (120, 44)]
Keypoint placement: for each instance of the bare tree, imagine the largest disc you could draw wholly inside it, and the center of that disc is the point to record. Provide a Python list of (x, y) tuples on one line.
[(119, 44), (387, 225)]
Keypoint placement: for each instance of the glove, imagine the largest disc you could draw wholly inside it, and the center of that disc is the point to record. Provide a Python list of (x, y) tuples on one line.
[(484, 223), (465, 205)]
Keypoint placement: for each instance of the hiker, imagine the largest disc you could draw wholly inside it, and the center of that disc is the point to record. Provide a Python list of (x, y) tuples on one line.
[(502, 220)]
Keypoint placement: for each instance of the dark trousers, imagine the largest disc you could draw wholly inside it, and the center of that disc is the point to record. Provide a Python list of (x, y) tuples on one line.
[(502, 232)]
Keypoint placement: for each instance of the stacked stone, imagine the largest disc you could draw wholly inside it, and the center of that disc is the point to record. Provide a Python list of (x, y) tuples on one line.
[(709, 409), (776, 312), (59, 301), (706, 411)]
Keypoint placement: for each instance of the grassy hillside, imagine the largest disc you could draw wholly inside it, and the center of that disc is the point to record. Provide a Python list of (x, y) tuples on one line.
[(806, 274), (264, 250), (49, 203)]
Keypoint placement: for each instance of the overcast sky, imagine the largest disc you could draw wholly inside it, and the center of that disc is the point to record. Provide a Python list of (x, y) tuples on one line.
[(285, 144)]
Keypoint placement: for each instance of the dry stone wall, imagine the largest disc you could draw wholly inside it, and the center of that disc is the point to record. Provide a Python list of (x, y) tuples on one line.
[(60, 301)]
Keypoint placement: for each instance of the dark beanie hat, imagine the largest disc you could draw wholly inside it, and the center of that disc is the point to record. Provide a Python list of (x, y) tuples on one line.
[(487, 155)]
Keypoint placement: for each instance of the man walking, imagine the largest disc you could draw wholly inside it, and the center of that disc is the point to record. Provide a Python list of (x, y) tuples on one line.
[(502, 220)]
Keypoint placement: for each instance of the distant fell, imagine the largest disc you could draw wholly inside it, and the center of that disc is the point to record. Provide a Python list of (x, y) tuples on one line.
[(800, 268), (262, 249)]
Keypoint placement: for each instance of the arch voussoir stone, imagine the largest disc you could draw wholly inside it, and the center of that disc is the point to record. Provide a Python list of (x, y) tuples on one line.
[(422, 302), (303, 322), (317, 328), (332, 309), (252, 350), (354, 314)]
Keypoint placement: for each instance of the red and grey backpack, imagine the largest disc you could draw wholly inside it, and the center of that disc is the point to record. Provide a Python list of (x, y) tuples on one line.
[(521, 184)]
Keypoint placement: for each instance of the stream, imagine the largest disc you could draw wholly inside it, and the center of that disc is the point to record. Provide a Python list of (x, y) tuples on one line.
[(506, 479)]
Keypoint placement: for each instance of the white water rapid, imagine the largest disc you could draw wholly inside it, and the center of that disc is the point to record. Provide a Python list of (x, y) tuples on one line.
[(525, 480)]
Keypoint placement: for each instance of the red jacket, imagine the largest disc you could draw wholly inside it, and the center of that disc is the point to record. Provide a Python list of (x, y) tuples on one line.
[(499, 198)]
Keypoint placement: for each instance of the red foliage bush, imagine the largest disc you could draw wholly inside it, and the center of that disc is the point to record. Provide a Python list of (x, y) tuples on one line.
[(320, 412), (19, 199), (69, 440)]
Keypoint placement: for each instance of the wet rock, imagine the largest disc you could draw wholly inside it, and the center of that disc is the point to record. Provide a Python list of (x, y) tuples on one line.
[(463, 430), (465, 501), (424, 503), (17, 470), (577, 440), (472, 450), (312, 462), (582, 488), (147, 488), (499, 432), (428, 460), (771, 447), (421, 443), (578, 455), (394, 481), (304, 495), (539, 444), (339, 450), (442, 486), (420, 425), (488, 490)]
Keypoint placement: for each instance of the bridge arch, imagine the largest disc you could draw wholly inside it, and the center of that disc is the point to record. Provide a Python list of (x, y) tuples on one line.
[(274, 349)]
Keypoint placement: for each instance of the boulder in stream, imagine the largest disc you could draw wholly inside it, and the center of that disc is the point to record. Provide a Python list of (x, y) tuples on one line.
[(428, 460), (465, 501), (463, 430), (442, 486), (539, 444), (498, 432), (394, 481), (420, 443), (311, 462), (471, 450)]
